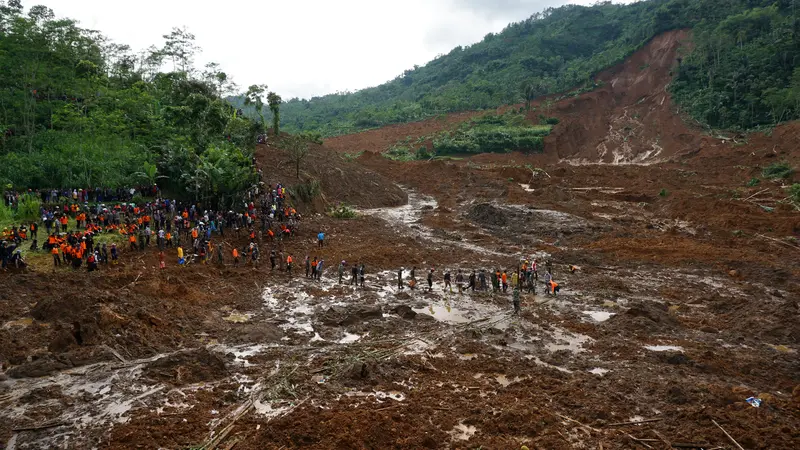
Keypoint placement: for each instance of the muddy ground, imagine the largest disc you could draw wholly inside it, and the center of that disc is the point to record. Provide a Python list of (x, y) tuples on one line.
[(685, 305)]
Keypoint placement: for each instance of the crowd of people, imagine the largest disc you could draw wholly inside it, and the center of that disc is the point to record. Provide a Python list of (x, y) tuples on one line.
[(72, 225), (523, 277)]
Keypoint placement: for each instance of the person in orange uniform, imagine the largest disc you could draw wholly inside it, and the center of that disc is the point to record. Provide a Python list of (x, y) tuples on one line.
[(56, 259), (289, 262), (235, 257)]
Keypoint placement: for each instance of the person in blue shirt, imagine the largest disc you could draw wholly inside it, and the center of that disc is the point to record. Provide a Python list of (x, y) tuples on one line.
[(321, 239)]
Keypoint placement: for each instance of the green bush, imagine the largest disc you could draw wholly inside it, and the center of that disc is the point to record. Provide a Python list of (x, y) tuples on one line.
[(400, 153), (6, 213), (312, 136), (352, 156), (794, 193), (29, 208), (423, 153), (342, 211), (663, 193), (306, 192), (778, 170), (753, 182), (550, 121), (137, 199)]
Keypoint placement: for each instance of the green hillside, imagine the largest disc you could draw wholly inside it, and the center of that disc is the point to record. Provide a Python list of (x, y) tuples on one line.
[(746, 53)]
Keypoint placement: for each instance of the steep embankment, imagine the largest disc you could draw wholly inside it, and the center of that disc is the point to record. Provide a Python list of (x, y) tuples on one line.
[(631, 118)]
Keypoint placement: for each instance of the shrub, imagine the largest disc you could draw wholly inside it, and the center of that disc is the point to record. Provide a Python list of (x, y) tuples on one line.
[(352, 156), (342, 211), (423, 153), (549, 120), (753, 182), (794, 193), (137, 199), (29, 207), (312, 136), (778, 170), (306, 192), (6, 213), (399, 153), (663, 193)]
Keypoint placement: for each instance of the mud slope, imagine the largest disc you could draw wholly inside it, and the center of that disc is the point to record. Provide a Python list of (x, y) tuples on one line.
[(630, 119), (340, 180)]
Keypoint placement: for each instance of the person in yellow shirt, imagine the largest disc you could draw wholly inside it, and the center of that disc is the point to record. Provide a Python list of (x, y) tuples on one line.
[(181, 261)]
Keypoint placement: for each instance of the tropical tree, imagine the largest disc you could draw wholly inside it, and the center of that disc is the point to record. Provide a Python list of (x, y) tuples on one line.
[(254, 97), (275, 101), (180, 47)]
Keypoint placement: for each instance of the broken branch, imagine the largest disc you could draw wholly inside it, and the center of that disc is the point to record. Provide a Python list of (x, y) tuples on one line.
[(728, 435)]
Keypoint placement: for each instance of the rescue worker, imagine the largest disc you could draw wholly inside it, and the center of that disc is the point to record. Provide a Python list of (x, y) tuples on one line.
[(56, 258)]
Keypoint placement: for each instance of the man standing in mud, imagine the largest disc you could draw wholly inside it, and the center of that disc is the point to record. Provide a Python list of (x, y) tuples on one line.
[(447, 284), (515, 296), (413, 281), (321, 239), (471, 284), (289, 265), (504, 278), (361, 274), (319, 269), (547, 279), (272, 257), (496, 280), (482, 280), (430, 281), (308, 265), (400, 279), (341, 271), (460, 282), (354, 274)]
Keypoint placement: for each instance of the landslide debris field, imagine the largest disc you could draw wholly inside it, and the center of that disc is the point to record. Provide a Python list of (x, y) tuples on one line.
[(685, 305)]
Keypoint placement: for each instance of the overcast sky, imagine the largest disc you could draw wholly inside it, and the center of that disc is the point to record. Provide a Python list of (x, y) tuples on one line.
[(304, 48)]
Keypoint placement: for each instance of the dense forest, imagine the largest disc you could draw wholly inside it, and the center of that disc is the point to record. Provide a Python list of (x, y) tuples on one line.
[(741, 75), (79, 111)]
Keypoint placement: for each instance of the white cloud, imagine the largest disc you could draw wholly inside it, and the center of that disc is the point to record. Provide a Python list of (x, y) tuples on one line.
[(305, 48)]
